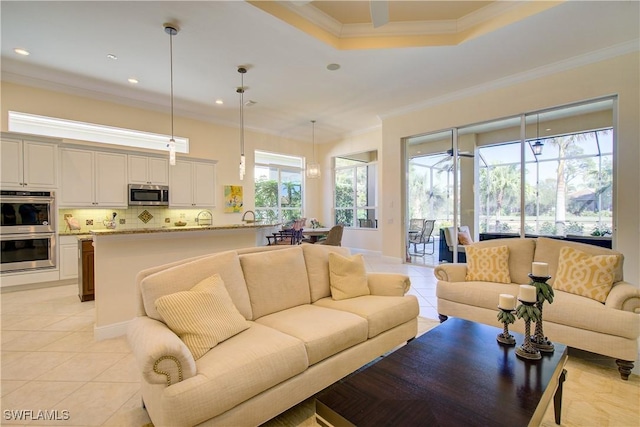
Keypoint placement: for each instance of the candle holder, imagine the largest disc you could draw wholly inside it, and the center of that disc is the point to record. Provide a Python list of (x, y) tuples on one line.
[(529, 312), (544, 293), (505, 316)]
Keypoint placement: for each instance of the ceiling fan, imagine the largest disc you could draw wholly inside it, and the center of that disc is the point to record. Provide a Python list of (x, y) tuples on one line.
[(379, 12), (449, 156)]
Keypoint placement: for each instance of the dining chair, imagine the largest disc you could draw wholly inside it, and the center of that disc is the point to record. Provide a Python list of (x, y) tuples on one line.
[(334, 237)]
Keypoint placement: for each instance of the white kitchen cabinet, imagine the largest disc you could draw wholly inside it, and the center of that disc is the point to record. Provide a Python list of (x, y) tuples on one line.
[(28, 165), (148, 170), (192, 184), (68, 257), (93, 178)]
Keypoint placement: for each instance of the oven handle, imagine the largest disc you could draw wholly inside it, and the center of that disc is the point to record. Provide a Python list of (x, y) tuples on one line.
[(6, 237), (27, 199)]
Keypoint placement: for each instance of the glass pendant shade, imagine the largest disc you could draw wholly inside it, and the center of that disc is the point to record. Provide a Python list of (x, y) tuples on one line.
[(313, 168), (172, 152)]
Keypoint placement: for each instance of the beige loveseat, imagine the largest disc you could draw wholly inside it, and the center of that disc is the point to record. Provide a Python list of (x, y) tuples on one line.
[(299, 339), (611, 328)]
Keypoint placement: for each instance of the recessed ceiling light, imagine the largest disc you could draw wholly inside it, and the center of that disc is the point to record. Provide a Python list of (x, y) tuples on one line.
[(132, 80), (21, 51), (112, 56), (333, 67), (219, 101)]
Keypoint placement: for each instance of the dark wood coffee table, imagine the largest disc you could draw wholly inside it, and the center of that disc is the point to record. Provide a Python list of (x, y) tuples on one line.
[(457, 374)]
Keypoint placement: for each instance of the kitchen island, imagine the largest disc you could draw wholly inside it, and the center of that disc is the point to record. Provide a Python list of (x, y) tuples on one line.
[(120, 254)]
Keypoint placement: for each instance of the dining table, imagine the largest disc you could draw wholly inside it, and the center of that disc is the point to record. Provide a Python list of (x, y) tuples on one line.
[(314, 234)]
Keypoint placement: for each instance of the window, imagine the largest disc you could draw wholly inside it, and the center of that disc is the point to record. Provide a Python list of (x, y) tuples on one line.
[(355, 190), (82, 131), (278, 187)]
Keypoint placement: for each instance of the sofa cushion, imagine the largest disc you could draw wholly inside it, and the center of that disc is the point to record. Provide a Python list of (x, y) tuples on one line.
[(587, 275), (347, 276), (276, 280), (521, 251), (490, 264), (323, 331), (183, 277), (548, 250), (381, 312), (477, 294), (316, 258), (234, 371), (203, 316)]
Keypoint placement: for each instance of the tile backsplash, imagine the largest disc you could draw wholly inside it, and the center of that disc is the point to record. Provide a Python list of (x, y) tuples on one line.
[(127, 219)]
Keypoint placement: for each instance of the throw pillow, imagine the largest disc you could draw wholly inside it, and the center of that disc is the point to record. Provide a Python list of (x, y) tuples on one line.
[(464, 238), (489, 264), (580, 273), (203, 316), (347, 276)]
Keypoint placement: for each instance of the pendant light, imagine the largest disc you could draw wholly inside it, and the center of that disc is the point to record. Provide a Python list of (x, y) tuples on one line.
[(537, 147), (240, 90), (313, 169), (172, 30)]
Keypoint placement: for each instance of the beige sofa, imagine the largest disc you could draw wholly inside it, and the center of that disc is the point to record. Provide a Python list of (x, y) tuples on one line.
[(299, 340), (611, 329)]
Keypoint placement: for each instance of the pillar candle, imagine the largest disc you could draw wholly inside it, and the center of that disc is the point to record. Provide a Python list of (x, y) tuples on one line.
[(507, 302), (540, 269), (527, 293)]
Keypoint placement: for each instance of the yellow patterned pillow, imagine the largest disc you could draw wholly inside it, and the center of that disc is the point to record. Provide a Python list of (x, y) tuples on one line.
[(489, 264), (347, 276), (587, 275), (203, 316)]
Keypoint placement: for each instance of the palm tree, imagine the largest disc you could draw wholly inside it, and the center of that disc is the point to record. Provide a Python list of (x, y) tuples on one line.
[(503, 186)]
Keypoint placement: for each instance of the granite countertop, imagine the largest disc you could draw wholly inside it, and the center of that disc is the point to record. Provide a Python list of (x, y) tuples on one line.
[(173, 229)]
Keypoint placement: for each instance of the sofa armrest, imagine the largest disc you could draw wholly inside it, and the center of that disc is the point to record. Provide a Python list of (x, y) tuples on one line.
[(451, 272), (160, 354), (624, 296), (388, 284)]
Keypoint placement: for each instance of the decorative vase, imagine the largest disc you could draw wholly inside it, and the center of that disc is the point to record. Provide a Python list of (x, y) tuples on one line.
[(544, 293)]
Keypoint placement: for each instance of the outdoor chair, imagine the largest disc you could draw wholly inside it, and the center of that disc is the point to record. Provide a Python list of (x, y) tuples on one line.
[(422, 236)]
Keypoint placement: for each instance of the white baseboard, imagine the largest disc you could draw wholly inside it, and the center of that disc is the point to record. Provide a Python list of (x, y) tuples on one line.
[(110, 331)]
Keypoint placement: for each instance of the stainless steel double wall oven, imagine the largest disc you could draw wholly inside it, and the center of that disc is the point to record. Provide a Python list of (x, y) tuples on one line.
[(27, 230)]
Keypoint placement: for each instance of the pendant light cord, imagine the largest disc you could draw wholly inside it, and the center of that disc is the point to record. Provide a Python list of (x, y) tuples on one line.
[(313, 138), (241, 113), (171, 72)]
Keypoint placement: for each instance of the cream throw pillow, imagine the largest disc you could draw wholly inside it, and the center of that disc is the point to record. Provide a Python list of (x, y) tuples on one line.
[(586, 275), (203, 316), (489, 264), (347, 276)]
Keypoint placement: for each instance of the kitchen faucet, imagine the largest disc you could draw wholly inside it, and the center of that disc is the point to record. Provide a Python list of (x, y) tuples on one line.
[(248, 220)]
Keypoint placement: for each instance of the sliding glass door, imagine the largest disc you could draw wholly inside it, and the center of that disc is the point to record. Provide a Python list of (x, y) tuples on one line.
[(545, 173)]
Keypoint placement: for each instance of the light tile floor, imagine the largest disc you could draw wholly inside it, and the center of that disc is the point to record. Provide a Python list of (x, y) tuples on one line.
[(50, 361)]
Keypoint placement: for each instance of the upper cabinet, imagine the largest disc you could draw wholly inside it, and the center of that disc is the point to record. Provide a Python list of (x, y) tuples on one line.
[(28, 165), (192, 184), (93, 178), (148, 170)]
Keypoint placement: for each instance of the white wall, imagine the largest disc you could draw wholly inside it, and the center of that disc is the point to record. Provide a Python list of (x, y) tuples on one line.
[(616, 76), (207, 140)]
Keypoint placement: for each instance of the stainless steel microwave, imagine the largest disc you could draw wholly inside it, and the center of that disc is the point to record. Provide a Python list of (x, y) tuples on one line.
[(148, 195)]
